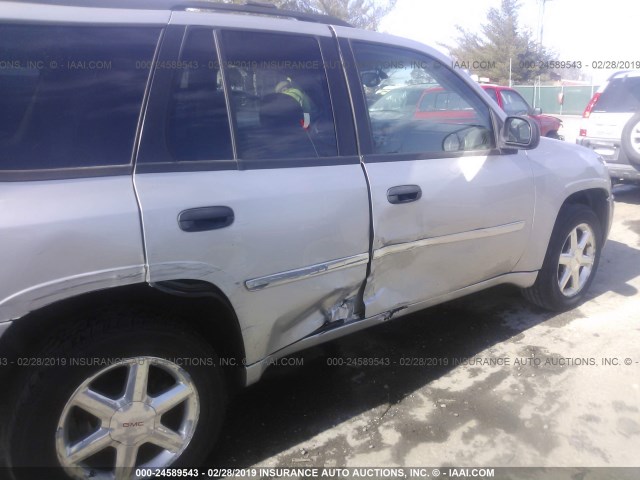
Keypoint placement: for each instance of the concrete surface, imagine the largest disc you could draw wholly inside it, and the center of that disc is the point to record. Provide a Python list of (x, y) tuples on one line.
[(554, 404)]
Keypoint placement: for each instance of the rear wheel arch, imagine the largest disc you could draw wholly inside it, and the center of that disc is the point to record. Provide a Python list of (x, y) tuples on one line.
[(204, 306), (166, 382)]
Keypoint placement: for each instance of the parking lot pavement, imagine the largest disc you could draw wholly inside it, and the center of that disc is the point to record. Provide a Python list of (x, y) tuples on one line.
[(483, 381)]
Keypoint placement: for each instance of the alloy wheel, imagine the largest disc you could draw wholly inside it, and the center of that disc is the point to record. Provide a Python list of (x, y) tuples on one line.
[(138, 413), (576, 260)]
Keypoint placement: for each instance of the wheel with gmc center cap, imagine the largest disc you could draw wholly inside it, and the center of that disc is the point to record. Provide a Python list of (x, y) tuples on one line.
[(116, 400)]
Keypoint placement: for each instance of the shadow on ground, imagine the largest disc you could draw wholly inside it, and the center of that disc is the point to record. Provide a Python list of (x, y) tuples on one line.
[(293, 404), (627, 194), (630, 195)]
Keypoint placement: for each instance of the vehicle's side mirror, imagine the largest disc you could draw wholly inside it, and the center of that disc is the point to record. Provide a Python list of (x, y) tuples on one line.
[(521, 133), (537, 111)]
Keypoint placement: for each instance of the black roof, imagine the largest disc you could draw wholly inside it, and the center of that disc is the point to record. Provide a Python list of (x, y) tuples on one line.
[(251, 6)]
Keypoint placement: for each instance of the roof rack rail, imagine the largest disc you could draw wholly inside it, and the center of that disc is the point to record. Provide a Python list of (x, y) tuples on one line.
[(251, 6)]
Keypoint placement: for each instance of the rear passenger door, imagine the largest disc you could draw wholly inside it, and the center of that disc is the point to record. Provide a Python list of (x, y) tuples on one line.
[(449, 208), (238, 188)]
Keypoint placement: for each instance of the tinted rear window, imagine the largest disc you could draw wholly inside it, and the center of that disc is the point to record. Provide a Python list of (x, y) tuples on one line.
[(622, 95), (71, 96)]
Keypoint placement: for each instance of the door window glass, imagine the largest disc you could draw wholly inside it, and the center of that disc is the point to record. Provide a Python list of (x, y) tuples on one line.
[(279, 95), (418, 105), (198, 124)]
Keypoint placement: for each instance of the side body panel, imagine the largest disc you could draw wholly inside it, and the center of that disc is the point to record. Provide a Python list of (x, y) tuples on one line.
[(285, 220), (63, 238), (560, 169)]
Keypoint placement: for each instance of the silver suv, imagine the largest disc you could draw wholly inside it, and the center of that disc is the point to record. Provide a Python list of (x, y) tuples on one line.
[(611, 125), (188, 193)]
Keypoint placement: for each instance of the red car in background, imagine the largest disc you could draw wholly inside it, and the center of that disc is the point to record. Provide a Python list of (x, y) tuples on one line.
[(512, 103), (436, 103)]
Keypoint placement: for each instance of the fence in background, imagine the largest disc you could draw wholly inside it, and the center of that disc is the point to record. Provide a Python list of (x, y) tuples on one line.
[(546, 97)]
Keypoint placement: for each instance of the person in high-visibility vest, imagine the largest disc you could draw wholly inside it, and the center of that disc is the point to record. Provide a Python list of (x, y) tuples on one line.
[(287, 87)]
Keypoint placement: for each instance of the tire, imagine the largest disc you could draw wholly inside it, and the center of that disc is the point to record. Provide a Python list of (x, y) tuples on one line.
[(546, 292), (630, 141), (178, 366)]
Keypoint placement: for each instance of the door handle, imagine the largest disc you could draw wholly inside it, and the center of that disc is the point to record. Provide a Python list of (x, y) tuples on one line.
[(404, 194), (205, 218)]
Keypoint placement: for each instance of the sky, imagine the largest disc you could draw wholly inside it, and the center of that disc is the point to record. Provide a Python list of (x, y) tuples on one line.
[(577, 30)]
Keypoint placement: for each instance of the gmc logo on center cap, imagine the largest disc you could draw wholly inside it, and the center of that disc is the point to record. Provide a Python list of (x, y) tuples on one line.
[(133, 424)]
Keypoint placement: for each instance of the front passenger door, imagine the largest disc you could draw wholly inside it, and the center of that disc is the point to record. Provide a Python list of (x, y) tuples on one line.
[(449, 208)]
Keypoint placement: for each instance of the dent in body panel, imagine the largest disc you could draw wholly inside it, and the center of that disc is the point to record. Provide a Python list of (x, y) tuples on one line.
[(254, 371), (287, 221), (439, 276), (311, 305), (300, 322), (471, 223), (311, 302)]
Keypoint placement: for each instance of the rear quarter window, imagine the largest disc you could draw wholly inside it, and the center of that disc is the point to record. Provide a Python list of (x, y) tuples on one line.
[(71, 96), (621, 95)]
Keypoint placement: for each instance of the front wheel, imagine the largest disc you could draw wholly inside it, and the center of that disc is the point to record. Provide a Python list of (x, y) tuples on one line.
[(571, 260), (118, 395)]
